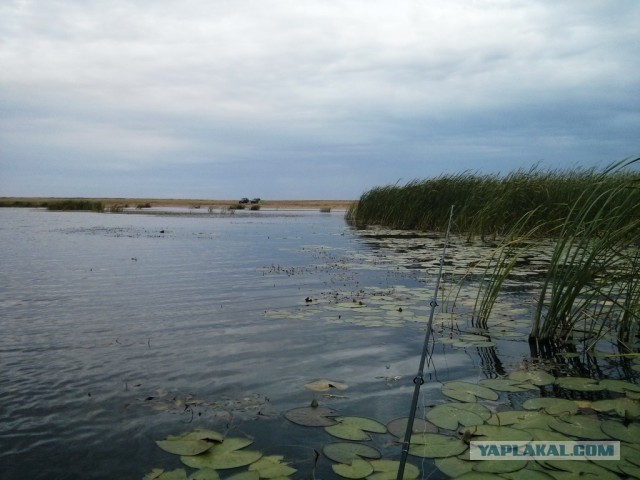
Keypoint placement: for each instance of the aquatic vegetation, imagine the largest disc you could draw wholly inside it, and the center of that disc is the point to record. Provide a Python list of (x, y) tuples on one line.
[(591, 283), (445, 433), (15, 203), (75, 204), (355, 428), (592, 280), (485, 205)]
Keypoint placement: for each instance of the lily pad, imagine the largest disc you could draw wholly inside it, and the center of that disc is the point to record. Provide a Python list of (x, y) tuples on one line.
[(468, 392), (434, 445), (272, 467), (190, 443), (617, 430), (477, 476), (357, 469), (160, 474), (579, 469), (499, 466), (624, 407), (498, 433), (453, 466), (521, 419), (547, 435), (580, 384), (204, 474), (580, 426), (355, 428), (630, 452), (324, 385), (388, 470), (450, 415), (244, 476), (398, 427), (527, 474), (345, 452), (630, 470), (228, 454), (506, 385), (312, 417), (537, 377), (620, 386), (553, 406)]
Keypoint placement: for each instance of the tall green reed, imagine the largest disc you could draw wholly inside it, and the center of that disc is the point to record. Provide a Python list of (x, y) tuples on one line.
[(592, 284), (594, 268)]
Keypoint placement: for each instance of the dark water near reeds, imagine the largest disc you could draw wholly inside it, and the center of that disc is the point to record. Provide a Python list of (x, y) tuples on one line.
[(118, 330)]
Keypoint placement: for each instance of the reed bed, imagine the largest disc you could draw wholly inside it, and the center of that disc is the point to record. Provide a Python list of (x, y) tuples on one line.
[(76, 204), (485, 205), (592, 284)]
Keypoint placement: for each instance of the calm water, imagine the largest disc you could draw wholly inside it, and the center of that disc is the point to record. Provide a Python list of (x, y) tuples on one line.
[(118, 330)]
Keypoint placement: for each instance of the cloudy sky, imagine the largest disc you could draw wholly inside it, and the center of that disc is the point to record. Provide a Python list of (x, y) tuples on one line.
[(301, 99)]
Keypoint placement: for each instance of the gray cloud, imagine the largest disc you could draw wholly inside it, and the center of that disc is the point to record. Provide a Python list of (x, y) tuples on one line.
[(307, 99)]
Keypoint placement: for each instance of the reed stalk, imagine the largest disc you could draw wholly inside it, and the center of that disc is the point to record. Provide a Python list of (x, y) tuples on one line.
[(592, 285)]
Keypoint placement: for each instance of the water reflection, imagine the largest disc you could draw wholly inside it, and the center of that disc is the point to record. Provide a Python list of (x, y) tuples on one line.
[(122, 329)]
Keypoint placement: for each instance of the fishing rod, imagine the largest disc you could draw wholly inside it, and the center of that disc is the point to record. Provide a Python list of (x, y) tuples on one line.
[(419, 379)]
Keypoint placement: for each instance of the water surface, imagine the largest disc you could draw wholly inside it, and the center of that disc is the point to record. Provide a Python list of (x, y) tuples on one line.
[(118, 330)]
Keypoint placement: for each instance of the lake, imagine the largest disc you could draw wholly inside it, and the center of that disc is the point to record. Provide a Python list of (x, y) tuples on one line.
[(121, 329)]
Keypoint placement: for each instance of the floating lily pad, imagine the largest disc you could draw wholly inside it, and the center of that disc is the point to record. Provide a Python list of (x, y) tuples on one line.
[(357, 469), (355, 428), (345, 452), (468, 392), (160, 474), (204, 474), (434, 445), (527, 474), (578, 469), (630, 470), (498, 433), (630, 452), (453, 466), (312, 417), (325, 385), (619, 386), (190, 443), (272, 467), (553, 406), (537, 377), (228, 454), (244, 476), (580, 426), (499, 466), (624, 407), (506, 385), (398, 427), (521, 419), (546, 435), (477, 476), (450, 415), (580, 384), (388, 470), (617, 430)]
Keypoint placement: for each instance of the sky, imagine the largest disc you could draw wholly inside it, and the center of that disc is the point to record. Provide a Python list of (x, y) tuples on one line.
[(300, 99)]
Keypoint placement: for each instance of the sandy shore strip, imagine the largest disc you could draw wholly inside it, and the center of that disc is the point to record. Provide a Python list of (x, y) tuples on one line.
[(193, 203)]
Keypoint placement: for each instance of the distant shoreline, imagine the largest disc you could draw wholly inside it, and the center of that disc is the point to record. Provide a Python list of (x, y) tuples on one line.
[(179, 202)]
